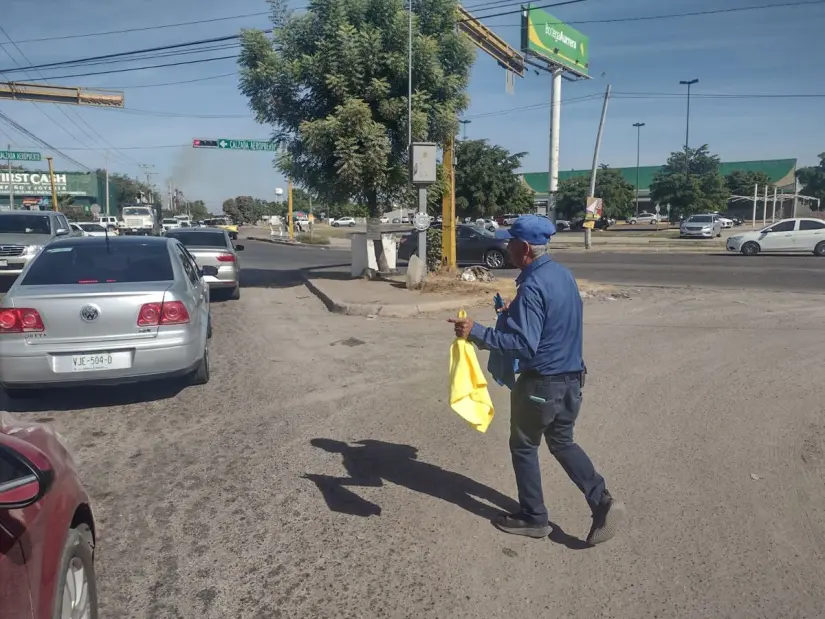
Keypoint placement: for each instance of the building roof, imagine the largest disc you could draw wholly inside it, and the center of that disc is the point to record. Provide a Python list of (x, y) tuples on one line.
[(780, 171)]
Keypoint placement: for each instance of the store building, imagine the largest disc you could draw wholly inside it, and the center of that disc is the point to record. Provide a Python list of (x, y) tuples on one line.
[(31, 189)]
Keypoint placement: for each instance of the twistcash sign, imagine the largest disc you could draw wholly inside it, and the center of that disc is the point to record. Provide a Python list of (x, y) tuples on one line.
[(545, 36), (32, 183)]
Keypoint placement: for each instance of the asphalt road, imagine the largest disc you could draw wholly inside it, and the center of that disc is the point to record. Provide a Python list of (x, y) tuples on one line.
[(765, 272), (321, 473)]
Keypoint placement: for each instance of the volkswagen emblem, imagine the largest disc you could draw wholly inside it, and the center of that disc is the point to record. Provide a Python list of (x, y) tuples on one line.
[(89, 313)]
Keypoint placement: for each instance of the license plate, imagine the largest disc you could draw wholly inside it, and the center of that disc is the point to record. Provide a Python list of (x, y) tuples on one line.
[(4, 263), (100, 361)]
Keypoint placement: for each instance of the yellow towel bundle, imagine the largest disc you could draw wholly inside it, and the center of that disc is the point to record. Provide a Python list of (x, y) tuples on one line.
[(468, 386)]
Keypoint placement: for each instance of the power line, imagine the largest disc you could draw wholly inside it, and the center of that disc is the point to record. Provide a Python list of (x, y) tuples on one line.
[(144, 28), (192, 81), (155, 66), (21, 129)]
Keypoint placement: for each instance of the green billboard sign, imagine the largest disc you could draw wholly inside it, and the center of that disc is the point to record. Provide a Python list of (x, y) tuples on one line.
[(545, 36)]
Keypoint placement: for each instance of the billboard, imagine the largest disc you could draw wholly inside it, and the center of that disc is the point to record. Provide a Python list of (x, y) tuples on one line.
[(545, 36)]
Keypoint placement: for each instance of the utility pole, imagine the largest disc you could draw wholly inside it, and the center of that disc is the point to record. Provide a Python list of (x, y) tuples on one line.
[(755, 200), (146, 167), (588, 230), (289, 211), (11, 185), (51, 180), (464, 128), (555, 121), (773, 213), (448, 207), (688, 83), (638, 152), (107, 187)]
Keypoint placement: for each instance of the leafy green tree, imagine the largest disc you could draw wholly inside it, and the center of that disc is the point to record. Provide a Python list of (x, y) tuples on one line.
[(332, 83), (812, 179), (617, 194), (197, 209), (128, 189), (741, 182), (695, 188)]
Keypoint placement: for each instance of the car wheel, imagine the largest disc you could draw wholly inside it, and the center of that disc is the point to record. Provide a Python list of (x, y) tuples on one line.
[(352, 224), (750, 249), (201, 374), (632, 222), (335, 225), (77, 583), (235, 293), (819, 250), (719, 235), (494, 259)]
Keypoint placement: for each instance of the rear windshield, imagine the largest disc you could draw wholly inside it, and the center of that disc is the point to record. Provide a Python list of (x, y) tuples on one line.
[(199, 239), (25, 224), (92, 227), (100, 263), (700, 219), (137, 211)]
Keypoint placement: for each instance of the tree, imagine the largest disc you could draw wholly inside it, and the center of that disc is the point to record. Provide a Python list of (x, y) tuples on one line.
[(697, 189), (332, 83), (486, 183), (127, 189), (741, 183), (197, 209), (812, 179), (616, 193)]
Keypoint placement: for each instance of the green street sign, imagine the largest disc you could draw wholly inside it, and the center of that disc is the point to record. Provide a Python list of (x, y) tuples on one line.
[(227, 144), (545, 36), (19, 155)]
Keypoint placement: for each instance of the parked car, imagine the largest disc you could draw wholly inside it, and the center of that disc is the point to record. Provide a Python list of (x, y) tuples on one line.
[(24, 233), (702, 226), (110, 221), (801, 234), (603, 223), (562, 225), (384, 220), (725, 222), (213, 247), (105, 311), (76, 230), (737, 221), (474, 245), (47, 528), (170, 223), (644, 218), (93, 229), (344, 221)]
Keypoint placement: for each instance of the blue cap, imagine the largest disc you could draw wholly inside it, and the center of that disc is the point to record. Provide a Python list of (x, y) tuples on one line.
[(531, 229)]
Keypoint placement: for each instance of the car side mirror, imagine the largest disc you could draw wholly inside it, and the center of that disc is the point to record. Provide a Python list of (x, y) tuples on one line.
[(238, 247), (30, 474), (209, 270), (62, 232)]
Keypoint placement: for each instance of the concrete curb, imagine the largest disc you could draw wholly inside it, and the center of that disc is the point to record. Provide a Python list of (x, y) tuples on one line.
[(294, 243), (392, 310)]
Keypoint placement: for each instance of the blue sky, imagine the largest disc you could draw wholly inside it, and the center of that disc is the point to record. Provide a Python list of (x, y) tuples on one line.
[(770, 51)]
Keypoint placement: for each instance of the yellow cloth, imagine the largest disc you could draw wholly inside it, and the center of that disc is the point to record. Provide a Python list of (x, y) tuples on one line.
[(468, 386)]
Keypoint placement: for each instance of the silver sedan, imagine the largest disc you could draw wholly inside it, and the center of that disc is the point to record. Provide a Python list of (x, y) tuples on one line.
[(213, 247), (105, 311)]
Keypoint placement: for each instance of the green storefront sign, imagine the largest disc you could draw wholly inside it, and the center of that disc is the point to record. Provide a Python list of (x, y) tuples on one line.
[(545, 36)]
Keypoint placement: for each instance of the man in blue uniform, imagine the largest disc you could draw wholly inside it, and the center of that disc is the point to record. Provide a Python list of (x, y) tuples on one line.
[(540, 337)]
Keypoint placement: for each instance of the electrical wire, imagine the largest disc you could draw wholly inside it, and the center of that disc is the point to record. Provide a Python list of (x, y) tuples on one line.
[(21, 129), (192, 81)]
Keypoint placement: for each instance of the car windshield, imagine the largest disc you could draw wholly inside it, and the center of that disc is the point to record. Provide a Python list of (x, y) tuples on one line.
[(701, 219), (25, 224), (170, 221), (137, 211), (199, 239), (92, 227), (100, 263)]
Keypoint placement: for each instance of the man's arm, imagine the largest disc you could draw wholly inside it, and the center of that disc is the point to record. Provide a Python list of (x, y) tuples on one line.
[(525, 318)]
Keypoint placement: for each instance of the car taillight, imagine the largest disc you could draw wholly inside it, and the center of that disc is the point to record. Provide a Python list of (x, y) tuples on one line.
[(20, 320), (167, 313), (226, 258)]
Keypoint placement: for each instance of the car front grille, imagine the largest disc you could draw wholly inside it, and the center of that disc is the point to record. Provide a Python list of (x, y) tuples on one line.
[(11, 250)]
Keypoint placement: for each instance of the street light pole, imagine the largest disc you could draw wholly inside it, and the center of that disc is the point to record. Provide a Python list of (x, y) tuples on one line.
[(688, 83), (464, 129), (638, 151)]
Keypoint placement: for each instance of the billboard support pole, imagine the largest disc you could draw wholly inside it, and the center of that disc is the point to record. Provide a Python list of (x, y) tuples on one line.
[(555, 121), (11, 186), (765, 207)]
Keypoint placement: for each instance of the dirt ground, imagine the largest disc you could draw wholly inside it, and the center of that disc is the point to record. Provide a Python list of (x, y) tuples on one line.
[(322, 474)]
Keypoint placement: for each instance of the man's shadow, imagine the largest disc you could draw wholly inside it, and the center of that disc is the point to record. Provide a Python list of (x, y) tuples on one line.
[(370, 463)]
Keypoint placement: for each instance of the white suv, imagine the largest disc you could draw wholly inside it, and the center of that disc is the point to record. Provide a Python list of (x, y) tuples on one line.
[(644, 218)]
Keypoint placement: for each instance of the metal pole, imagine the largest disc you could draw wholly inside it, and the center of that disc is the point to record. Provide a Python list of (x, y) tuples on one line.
[(795, 195), (765, 207), (107, 187), (755, 198), (687, 83), (593, 171), (422, 236), (311, 221), (555, 121), (409, 78), (773, 213), (11, 186), (638, 152), (51, 180), (289, 211), (447, 208)]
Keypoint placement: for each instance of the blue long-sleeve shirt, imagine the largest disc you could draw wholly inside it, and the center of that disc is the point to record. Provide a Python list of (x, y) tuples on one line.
[(542, 329)]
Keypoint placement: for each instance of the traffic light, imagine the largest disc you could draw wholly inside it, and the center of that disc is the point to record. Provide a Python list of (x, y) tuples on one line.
[(197, 143)]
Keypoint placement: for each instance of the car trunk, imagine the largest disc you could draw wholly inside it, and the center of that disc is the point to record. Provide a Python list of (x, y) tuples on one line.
[(91, 313), (208, 256)]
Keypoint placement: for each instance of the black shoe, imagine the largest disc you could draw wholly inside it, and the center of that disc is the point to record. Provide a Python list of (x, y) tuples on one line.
[(515, 524), (607, 518)]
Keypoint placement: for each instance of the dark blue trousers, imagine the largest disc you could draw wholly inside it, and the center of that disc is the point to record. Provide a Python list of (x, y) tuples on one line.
[(548, 406)]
